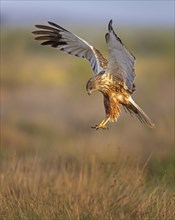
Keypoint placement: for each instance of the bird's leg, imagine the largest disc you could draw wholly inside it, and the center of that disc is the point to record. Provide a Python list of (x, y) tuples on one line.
[(102, 124)]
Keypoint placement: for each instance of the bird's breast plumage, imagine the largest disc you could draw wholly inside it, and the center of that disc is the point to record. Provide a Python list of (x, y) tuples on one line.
[(114, 94)]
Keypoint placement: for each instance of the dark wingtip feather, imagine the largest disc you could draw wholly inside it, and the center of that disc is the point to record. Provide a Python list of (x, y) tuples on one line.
[(52, 23), (107, 37), (110, 22), (110, 25), (110, 28), (37, 25), (57, 26)]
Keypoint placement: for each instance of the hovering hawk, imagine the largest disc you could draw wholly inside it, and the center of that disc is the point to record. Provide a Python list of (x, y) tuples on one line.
[(113, 78)]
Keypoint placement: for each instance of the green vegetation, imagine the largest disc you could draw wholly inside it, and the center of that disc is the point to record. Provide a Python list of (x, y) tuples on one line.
[(53, 165)]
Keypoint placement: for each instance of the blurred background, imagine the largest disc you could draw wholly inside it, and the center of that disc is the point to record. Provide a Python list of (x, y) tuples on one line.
[(46, 113), (43, 90)]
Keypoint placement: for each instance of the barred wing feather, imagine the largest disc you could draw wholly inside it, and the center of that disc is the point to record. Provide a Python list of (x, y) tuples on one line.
[(121, 62), (58, 37)]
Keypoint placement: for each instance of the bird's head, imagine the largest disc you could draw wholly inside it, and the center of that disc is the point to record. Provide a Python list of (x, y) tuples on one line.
[(91, 86)]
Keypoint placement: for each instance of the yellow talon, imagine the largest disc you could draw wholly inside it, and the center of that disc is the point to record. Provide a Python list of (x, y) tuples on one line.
[(101, 125)]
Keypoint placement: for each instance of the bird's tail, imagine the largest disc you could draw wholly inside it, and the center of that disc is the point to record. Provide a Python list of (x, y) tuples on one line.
[(133, 108)]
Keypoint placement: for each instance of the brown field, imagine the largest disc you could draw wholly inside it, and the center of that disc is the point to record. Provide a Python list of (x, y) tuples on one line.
[(53, 165)]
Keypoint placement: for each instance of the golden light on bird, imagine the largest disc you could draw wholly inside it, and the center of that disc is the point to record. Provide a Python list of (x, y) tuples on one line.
[(114, 78)]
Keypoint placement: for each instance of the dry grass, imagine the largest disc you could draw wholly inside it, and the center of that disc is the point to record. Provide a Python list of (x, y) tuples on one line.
[(82, 187)]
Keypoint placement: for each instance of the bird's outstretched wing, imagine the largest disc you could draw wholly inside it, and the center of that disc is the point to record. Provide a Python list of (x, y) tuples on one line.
[(58, 37), (121, 62)]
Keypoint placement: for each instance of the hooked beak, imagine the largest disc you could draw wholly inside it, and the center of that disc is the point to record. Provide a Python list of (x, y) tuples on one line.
[(89, 92)]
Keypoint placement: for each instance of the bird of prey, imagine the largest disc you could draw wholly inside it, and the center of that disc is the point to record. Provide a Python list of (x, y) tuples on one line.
[(114, 77)]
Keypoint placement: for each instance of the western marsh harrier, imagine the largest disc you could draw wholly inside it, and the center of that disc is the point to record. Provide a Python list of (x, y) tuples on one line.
[(113, 78)]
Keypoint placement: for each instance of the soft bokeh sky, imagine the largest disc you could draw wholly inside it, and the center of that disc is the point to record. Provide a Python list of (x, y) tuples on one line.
[(147, 13)]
